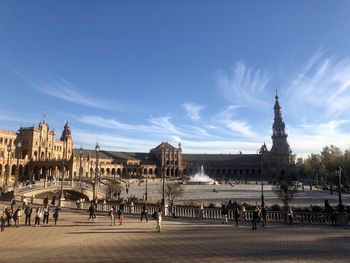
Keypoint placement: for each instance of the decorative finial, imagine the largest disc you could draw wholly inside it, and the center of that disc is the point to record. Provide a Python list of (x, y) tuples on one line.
[(276, 95)]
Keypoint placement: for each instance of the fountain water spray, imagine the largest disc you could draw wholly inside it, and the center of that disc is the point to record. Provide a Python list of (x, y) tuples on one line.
[(201, 177)]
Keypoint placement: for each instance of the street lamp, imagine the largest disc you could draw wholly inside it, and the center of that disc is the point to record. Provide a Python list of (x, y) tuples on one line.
[(97, 151), (9, 150), (338, 172), (62, 180), (262, 183), (163, 192), (146, 193), (15, 189), (80, 167)]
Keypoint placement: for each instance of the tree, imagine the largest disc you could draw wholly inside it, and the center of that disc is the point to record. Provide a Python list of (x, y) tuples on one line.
[(172, 191), (286, 192)]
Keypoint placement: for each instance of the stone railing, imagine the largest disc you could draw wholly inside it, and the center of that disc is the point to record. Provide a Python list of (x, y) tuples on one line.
[(313, 218)]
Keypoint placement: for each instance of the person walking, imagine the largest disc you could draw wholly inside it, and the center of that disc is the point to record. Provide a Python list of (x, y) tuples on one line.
[(224, 212), (17, 216), (236, 215), (8, 213), (255, 217), (2, 221), (120, 213), (158, 216), (91, 211), (28, 212), (144, 212), (46, 215), (290, 216), (38, 215), (111, 214), (56, 214), (243, 213), (46, 201)]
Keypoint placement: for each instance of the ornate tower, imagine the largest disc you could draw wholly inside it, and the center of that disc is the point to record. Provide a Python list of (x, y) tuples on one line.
[(67, 142), (279, 136)]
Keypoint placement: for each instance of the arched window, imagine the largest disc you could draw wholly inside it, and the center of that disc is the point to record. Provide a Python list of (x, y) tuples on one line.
[(1, 140)]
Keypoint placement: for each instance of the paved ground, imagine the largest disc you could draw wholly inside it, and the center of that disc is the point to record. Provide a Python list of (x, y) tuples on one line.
[(76, 239)]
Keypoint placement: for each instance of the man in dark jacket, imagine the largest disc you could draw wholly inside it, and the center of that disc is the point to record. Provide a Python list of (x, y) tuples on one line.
[(28, 212), (144, 212)]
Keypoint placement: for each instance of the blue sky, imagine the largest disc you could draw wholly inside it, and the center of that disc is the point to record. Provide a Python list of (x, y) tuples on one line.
[(130, 74)]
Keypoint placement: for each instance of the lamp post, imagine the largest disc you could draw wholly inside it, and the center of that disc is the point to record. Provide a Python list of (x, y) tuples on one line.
[(338, 172), (15, 189), (97, 151), (146, 192), (163, 192), (9, 150), (262, 183), (62, 181), (80, 167)]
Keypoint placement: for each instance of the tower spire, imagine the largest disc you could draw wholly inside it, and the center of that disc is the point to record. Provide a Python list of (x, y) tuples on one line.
[(279, 135)]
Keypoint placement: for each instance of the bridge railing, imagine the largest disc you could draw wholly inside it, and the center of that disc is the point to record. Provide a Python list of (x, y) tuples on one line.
[(57, 184)]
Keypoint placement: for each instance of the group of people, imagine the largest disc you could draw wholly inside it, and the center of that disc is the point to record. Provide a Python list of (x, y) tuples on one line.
[(259, 215), (117, 212), (239, 214), (13, 216)]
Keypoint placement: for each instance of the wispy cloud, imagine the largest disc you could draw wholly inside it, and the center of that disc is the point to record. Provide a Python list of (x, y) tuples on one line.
[(193, 111), (226, 117), (65, 90), (243, 85), (324, 84)]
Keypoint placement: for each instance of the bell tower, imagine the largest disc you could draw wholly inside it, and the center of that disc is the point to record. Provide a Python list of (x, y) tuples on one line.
[(279, 135), (67, 142)]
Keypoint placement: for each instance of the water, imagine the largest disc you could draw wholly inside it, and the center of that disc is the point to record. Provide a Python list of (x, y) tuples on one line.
[(201, 177)]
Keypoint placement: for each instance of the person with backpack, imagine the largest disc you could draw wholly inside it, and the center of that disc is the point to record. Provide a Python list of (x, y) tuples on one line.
[(28, 212), (144, 212), (56, 214)]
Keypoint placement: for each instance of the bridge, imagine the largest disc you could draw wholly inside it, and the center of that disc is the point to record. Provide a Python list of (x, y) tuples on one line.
[(84, 188)]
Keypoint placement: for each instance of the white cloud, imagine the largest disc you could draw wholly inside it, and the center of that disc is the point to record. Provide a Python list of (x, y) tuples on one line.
[(226, 117), (323, 84), (311, 138), (193, 111), (243, 85), (65, 90)]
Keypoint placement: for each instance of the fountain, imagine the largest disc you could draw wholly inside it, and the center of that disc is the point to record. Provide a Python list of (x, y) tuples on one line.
[(201, 178)]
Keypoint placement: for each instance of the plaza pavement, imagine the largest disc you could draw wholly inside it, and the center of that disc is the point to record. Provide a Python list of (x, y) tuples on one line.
[(76, 239)]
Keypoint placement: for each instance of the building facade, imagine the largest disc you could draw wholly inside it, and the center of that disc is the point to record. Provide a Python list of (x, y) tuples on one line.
[(34, 153)]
